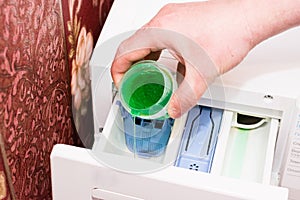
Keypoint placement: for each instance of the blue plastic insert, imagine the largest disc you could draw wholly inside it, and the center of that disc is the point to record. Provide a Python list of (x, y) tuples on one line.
[(199, 139), (150, 137)]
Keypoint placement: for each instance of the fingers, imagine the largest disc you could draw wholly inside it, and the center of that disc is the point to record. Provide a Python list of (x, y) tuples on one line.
[(141, 45), (122, 63), (199, 70), (188, 93)]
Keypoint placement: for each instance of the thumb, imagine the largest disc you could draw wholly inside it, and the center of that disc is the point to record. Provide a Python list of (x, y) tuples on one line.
[(137, 47), (188, 93)]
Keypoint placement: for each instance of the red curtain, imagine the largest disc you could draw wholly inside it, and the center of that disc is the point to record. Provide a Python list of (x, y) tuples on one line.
[(41, 48)]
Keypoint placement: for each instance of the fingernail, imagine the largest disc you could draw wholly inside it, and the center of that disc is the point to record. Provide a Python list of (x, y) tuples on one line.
[(173, 112)]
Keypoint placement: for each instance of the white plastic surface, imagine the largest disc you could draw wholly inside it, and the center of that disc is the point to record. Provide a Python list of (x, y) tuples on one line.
[(249, 153), (75, 175)]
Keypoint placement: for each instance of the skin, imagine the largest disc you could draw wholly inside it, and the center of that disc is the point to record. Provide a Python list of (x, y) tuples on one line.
[(225, 30)]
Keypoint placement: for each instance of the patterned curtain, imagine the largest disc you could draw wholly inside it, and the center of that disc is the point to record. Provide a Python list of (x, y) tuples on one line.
[(44, 90)]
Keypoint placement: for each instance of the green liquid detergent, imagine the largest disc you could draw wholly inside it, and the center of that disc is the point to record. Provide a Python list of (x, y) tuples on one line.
[(146, 96), (146, 89)]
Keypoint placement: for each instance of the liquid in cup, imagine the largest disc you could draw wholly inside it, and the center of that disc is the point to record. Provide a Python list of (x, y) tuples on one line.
[(146, 89)]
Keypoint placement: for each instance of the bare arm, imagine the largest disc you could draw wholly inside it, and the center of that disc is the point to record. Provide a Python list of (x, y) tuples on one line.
[(270, 17)]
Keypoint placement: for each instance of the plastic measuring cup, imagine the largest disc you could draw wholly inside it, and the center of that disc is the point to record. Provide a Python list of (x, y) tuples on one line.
[(145, 90)]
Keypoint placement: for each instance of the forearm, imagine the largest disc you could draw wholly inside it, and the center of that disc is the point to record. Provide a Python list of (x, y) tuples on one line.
[(267, 18)]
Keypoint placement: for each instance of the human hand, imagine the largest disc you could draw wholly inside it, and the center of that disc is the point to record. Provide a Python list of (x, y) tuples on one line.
[(208, 38)]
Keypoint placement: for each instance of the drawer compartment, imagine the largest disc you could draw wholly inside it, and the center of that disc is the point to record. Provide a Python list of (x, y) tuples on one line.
[(245, 148), (145, 150), (199, 138)]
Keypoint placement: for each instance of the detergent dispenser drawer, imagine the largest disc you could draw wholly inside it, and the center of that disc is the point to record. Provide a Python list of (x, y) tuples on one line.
[(210, 152)]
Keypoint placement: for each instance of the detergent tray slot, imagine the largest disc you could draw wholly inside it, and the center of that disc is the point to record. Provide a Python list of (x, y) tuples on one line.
[(199, 138), (245, 147), (138, 144)]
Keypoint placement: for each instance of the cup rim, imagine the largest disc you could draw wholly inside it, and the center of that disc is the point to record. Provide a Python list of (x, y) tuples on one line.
[(168, 83)]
